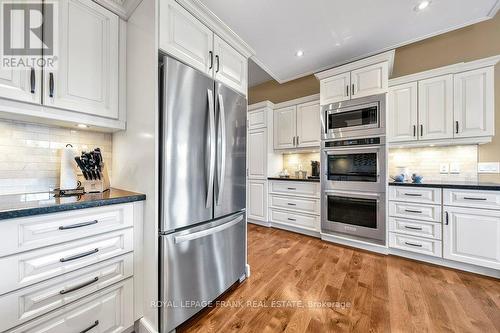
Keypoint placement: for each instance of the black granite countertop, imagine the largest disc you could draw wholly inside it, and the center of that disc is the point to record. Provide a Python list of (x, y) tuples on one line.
[(29, 204), (294, 179), (465, 185)]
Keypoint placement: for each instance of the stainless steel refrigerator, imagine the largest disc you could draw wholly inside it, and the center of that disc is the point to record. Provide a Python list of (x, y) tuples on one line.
[(202, 190)]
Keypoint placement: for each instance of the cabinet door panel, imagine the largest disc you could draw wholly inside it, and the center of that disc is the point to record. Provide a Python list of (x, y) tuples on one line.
[(369, 80), (285, 127), (185, 37), (335, 89), (231, 67), (308, 125), (472, 236), (257, 200), (16, 84), (257, 154), (403, 112), (257, 119), (435, 108), (86, 79), (474, 103)]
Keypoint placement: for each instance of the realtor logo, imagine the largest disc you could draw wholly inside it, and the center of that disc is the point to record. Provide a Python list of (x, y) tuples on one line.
[(28, 34)]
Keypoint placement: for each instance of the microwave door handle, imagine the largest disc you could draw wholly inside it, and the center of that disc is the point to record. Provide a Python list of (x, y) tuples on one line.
[(222, 124), (211, 167)]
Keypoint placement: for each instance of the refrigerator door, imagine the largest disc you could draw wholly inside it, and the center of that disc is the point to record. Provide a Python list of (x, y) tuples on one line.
[(188, 146), (230, 184), (198, 265)]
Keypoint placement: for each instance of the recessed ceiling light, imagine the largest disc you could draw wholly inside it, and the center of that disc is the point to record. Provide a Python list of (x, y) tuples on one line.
[(422, 5), (82, 126), (299, 53)]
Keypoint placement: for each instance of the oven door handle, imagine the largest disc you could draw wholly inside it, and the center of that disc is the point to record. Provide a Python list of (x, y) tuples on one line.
[(355, 195), (329, 151)]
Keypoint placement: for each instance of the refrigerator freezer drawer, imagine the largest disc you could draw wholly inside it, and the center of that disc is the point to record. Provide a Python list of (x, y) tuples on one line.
[(198, 265)]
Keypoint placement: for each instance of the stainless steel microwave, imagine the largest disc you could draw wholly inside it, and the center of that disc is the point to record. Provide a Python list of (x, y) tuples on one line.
[(356, 118)]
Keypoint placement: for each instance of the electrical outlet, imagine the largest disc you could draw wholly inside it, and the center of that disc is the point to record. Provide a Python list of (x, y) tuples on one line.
[(444, 168), (488, 167), (454, 168)]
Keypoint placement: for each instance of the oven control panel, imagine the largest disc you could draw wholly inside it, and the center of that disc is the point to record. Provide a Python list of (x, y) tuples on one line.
[(353, 142)]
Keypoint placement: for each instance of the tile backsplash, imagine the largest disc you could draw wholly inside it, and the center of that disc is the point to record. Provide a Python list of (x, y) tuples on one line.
[(30, 154), (292, 162), (426, 161)]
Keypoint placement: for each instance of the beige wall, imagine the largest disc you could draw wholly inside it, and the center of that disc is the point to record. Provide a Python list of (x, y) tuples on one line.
[(477, 41)]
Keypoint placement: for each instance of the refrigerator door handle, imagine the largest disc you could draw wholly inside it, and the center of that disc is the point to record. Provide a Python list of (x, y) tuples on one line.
[(211, 172), (222, 123), (207, 232)]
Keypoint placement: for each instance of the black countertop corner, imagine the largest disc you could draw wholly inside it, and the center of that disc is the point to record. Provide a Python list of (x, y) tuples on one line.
[(29, 204), (294, 179), (465, 185)]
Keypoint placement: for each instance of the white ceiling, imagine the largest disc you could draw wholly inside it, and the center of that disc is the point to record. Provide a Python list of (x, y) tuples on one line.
[(256, 75), (333, 32)]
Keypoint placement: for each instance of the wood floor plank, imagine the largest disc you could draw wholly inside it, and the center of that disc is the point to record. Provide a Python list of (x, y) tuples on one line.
[(384, 293)]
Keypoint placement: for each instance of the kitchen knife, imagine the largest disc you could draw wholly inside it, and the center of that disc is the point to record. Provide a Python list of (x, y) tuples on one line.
[(82, 167)]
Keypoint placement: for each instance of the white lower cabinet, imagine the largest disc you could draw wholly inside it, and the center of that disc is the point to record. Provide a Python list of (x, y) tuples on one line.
[(109, 310), (430, 247), (294, 219), (257, 200), (472, 236)]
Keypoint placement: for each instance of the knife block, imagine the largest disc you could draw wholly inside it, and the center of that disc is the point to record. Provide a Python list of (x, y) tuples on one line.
[(97, 186)]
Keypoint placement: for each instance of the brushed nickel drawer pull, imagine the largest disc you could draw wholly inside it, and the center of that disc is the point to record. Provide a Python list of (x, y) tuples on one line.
[(413, 194), (477, 199), (90, 327), (291, 188), (78, 256), (80, 286), (412, 244), (290, 219), (413, 211), (78, 225), (412, 228), (291, 204)]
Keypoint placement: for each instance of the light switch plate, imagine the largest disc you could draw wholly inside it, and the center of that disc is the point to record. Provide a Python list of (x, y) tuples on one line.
[(444, 168), (454, 168), (488, 167)]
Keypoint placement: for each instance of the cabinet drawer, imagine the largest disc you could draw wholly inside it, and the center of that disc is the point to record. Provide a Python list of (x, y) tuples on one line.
[(295, 188), (109, 310), (472, 198), (415, 228), (24, 269), (416, 244), (415, 211), (305, 205), (23, 234), (305, 221), (25, 304), (414, 194)]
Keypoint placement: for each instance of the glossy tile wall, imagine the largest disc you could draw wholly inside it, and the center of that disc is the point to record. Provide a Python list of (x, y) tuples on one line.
[(427, 161), (292, 162), (30, 154)]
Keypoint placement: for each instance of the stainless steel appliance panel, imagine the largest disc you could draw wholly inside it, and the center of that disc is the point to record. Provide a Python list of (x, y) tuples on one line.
[(201, 263), (230, 184), (188, 145)]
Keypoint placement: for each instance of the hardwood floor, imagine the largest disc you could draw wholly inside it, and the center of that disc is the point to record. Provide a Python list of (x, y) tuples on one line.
[(376, 293)]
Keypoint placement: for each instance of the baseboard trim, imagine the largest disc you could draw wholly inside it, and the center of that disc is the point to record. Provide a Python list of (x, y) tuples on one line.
[(355, 243), (144, 326), (295, 229), (261, 223)]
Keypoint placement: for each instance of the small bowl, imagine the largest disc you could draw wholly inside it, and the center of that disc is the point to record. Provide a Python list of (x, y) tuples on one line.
[(399, 178), (417, 179)]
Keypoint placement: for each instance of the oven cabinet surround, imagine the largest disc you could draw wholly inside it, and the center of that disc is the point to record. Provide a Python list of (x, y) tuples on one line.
[(357, 79), (448, 105), (295, 206), (453, 224), (192, 40), (76, 277), (88, 85), (261, 160), (297, 124)]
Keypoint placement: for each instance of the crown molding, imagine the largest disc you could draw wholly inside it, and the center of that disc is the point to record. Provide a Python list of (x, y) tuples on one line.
[(261, 105), (301, 100), (122, 8)]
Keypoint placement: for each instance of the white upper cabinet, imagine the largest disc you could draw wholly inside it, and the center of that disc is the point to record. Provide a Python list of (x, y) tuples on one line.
[(335, 89), (369, 80), (21, 85), (285, 127), (86, 79), (308, 125), (402, 118), (257, 118), (231, 68), (257, 155), (474, 103), (185, 37), (435, 107)]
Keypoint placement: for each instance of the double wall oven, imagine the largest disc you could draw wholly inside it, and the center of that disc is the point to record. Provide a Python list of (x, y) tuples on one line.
[(354, 169)]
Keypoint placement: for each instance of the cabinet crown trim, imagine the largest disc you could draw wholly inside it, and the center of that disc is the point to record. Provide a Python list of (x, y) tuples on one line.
[(260, 105), (292, 102), (450, 69), (356, 64)]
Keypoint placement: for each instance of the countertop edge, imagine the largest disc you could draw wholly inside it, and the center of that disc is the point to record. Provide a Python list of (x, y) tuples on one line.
[(26, 212), (294, 179), (487, 187)]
